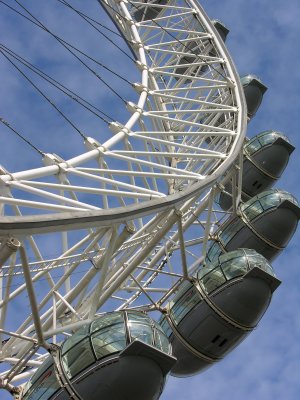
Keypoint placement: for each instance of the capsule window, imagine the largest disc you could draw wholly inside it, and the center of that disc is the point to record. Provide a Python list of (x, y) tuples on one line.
[(107, 320), (234, 268), (44, 388), (253, 210), (78, 358), (252, 146), (268, 138), (141, 332), (140, 328), (270, 200), (109, 340), (165, 326), (51, 385), (213, 280), (161, 341), (214, 251), (230, 231), (184, 305), (76, 338)]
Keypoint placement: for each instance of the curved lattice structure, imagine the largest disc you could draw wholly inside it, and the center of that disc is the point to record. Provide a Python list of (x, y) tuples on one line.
[(133, 213)]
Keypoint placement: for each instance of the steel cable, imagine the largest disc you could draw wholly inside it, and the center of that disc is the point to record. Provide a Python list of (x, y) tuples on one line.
[(66, 46), (68, 92), (43, 94)]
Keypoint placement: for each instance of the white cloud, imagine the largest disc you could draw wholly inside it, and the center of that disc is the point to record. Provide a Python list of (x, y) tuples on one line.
[(263, 39)]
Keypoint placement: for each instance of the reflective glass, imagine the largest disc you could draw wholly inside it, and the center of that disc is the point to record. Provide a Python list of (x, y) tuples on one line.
[(252, 146), (235, 267), (75, 338), (204, 270), (230, 231), (289, 196), (142, 332), (184, 286), (40, 371), (52, 385), (229, 256), (270, 201), (253, 210), (27, 386), (161, 341), (263, 139), (107, 320), (34, 393), (213, 280), (108, 340), (214, 251), (267, 200), (44, 387), (165, 326), (265, 135), (185, 304), (78, 358), (138, 317), (267, 138), (259, 261)]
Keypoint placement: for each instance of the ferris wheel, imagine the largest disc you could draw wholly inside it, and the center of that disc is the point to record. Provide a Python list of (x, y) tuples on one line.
[(119, 229)]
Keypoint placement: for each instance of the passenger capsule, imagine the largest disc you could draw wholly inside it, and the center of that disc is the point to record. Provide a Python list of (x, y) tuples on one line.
[(212, 314), (121, 355), (148, 11), (221, 28), (265, 223), (265, 158), (254, 91)]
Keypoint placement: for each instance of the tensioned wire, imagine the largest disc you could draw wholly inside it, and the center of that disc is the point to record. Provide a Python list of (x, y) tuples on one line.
[(68, 92), (55, 83), (5, 51), (27, 141), (91, 19), (68, 46), (43, 95), (197, 56), (87, 19), (81, 14), (121, 16), (71, 51)]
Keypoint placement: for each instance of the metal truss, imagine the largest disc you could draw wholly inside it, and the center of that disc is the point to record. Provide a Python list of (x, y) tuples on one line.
[(129, 219)]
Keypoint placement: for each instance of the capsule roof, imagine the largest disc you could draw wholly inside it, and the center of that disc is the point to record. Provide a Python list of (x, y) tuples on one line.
[(231, 265), (221, 28), (130, 323), (266, 138), (228, 266), (253, 79), (242, 259), (266, 200)]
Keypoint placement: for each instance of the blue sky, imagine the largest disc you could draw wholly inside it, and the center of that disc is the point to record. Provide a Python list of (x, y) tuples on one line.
[(263, 39)]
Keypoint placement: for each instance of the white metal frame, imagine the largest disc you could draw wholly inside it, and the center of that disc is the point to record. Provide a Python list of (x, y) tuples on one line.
[(156, 179)]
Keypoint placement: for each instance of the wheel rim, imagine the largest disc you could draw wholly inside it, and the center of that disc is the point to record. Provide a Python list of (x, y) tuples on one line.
[(163, 190)]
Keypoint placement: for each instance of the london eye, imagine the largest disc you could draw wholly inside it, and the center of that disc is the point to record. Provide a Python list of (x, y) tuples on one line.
[(141, 218)]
